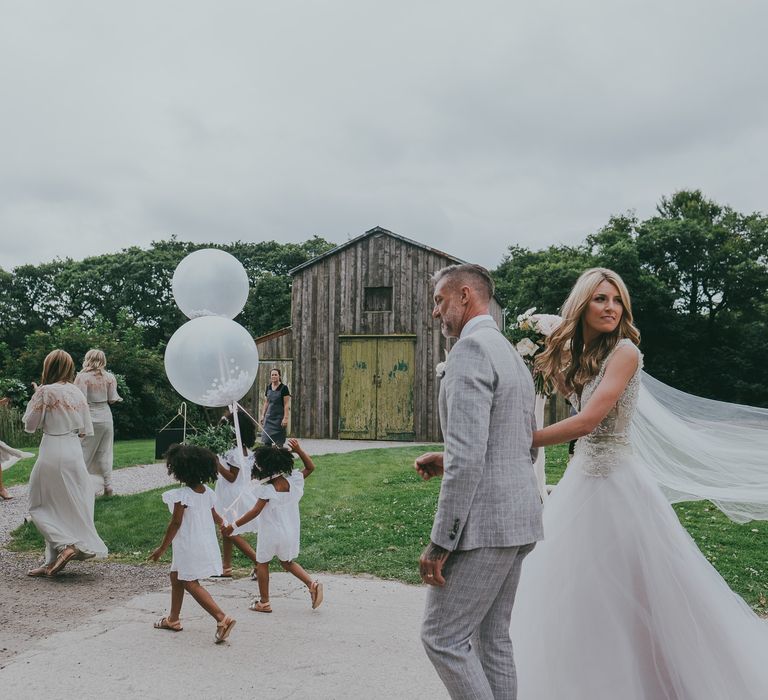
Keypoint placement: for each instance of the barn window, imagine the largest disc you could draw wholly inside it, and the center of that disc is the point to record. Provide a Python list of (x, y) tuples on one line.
[(378, 299)]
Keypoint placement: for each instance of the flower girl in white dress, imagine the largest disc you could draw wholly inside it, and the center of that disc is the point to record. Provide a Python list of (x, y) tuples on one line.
[(617, 601), (279, 523), (192, 531)]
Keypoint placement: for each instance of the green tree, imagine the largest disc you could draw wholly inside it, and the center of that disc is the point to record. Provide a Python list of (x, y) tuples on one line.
[(698, 276), (136, 282), (711, 258), (123, 303), (541, 278), (148, 397)]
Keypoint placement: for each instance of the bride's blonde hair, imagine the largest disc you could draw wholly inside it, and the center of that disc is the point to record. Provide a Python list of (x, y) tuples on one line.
[(565, 354)]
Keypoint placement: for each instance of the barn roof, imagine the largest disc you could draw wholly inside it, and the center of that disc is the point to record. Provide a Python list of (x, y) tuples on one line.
[(372, 232), (273, 334)]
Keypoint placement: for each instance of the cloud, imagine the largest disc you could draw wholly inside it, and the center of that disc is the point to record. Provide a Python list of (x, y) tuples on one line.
[(468, 127)]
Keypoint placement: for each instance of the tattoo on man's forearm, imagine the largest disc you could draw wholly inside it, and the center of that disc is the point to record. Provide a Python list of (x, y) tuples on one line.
[(435, 552)]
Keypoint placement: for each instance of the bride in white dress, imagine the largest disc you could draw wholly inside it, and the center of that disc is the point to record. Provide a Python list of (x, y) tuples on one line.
[(618, 602)]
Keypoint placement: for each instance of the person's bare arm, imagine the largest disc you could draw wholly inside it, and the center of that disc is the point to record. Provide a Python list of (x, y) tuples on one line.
[(621, 368), (170, 532), (286, 410), (431, 564), (246, 518), (229, 472), (306, 460)]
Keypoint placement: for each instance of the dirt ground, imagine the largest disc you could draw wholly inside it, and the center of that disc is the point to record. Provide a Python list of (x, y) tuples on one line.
[(34, 608)]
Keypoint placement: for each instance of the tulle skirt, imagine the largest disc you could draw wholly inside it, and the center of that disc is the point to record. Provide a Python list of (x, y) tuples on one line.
[(618, 602), (61, 499)]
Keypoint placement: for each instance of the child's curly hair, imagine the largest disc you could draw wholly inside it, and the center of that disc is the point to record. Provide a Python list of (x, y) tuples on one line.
[(247, 428), (191, 465), (270, 461)]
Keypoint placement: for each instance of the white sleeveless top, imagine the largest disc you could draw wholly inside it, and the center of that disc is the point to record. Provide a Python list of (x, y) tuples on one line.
[(610, 439)]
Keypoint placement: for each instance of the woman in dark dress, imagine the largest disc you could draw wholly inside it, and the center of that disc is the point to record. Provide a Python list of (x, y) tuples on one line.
[(274, 414)]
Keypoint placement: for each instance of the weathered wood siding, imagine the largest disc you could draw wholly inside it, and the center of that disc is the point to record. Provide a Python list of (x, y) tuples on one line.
[(556, 409), (277, 345), (328, 302), (275, 350)]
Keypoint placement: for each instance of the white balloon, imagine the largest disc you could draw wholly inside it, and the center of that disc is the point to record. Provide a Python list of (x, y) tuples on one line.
[(210, 282), (211, 361)]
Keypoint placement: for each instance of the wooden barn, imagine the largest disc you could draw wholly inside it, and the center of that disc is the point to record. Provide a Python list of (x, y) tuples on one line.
[(360, 354)]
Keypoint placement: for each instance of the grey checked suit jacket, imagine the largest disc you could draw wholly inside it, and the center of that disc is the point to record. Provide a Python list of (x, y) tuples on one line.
[(488, 496)]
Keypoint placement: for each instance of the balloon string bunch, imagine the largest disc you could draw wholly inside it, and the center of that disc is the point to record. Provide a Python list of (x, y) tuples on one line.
[(234, 408), (255, 422), (211, 360)]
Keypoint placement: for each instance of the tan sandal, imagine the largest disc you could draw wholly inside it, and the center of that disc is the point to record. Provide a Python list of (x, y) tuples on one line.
[(165, 624), (223, 628), (258, 606), (316, 594), (61, 561), (226, 572), (39, 571)]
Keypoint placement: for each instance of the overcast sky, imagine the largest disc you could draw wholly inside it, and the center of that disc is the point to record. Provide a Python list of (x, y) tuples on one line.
[(468, 126)]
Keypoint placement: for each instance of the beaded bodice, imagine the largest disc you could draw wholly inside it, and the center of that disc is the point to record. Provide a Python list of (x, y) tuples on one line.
[(601, 450)]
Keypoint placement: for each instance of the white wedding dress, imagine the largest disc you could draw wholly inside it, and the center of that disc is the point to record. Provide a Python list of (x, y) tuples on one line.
[(617, 602)]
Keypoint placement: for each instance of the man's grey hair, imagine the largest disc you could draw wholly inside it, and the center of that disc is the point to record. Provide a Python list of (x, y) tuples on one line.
[(475, 276)]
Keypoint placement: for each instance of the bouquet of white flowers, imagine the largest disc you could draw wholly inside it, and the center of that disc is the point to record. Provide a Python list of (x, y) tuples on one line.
[(529, 336)]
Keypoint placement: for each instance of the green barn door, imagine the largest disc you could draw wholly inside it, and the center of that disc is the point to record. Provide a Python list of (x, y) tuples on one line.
[(376, 392), (357, 393), (394, 399)]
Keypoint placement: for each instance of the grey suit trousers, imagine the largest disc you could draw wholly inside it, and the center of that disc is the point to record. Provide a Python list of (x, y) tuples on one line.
[(466, 622)]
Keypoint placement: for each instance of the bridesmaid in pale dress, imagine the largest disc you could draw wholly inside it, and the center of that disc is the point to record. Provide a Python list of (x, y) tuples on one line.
[(61, 498), (100, 389)]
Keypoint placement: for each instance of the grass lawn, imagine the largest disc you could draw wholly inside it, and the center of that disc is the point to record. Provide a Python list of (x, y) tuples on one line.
[(368, 512), (128, 453)]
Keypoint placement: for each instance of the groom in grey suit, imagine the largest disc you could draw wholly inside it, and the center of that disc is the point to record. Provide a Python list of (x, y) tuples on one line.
[(489, 511)]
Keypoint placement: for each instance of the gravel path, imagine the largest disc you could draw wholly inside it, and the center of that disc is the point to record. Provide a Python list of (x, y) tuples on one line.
[(12, 512), (363, 642), (124, 481), (35, 609)]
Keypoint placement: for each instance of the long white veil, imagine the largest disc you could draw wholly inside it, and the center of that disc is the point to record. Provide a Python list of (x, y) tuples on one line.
[(700, 449)]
